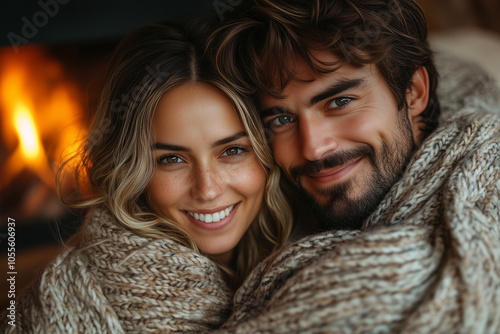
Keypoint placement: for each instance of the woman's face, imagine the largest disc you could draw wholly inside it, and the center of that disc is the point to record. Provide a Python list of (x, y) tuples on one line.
[(207, 177)]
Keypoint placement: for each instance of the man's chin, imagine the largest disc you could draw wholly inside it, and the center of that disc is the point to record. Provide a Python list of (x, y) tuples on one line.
[(333, 208), (340, 216), (340, 211)]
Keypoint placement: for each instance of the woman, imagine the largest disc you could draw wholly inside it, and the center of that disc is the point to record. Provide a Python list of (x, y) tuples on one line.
[(185, 198)]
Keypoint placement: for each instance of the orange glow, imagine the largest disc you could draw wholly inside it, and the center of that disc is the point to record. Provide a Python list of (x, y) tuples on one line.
[(28, 135), (39, 111)]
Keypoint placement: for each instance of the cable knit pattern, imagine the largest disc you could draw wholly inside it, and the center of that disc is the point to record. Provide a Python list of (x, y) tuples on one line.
[(426, 261), (118, 282)]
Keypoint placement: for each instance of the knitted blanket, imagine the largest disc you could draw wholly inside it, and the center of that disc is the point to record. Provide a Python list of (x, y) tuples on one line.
[(124, 284), (426, 261)]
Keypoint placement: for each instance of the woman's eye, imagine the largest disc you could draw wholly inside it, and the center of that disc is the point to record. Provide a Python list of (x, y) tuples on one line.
[(281, 120), (232, 151), (170, 159), (340, 102)]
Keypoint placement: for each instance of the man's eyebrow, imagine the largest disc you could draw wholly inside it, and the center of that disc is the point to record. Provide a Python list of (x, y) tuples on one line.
[(169, 147), (272, 111), (335, 89)]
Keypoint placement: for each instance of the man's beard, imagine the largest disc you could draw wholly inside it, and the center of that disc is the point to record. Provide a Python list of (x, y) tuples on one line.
[(340, 211)]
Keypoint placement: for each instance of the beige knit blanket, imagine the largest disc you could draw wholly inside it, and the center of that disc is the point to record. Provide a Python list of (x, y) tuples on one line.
[(124, 284), (427, 261)]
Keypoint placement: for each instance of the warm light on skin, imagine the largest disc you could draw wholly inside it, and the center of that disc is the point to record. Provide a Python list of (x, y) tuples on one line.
[(205, 164)]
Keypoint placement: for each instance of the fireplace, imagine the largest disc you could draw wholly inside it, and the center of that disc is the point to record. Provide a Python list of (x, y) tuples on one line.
[(47, 97)]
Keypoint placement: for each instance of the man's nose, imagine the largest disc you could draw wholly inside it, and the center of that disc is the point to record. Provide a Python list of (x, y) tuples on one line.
[(317, 137), (208, 183)]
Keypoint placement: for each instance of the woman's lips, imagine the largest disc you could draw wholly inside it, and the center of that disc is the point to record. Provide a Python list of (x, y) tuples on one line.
[(212, 219), (334, 174), (212, 215)]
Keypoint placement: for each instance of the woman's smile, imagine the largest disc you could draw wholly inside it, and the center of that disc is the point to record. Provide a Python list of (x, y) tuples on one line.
[(207, 177), (211, 215), (216, 221)]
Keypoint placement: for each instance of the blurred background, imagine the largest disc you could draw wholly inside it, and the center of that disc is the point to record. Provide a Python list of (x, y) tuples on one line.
[(53, 56)]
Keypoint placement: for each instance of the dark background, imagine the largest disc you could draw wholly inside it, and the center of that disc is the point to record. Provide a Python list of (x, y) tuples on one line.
[(80, 20), (91, 20)]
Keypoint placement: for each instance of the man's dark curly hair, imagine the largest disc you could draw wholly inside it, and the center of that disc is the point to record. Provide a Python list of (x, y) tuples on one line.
[(256, 45)]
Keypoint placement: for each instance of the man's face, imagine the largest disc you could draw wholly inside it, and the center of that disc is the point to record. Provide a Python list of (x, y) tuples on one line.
[(340, 138)]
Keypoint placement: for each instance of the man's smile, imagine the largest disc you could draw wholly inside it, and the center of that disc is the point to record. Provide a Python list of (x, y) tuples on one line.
[(335, 173)]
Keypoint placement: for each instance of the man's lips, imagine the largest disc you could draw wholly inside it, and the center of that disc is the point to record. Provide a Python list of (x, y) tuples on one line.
[(334, 173)]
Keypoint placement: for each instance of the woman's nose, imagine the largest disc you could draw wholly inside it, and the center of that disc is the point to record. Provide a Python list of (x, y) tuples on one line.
[(208, 184)]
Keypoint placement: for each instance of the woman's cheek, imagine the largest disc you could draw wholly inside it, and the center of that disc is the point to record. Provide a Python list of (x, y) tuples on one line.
[(165, 190)]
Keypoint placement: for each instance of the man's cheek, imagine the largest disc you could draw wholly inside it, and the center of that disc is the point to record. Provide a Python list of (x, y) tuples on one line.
[(283, 153)]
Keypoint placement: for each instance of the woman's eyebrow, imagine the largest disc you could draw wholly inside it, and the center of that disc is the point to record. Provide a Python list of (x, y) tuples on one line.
[(229, 139), (178, 148), (168, 147)]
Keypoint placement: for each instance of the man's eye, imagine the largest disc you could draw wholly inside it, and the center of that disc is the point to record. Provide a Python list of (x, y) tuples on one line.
[(280, 120), (232, 151), (169, 160), (340, 102)]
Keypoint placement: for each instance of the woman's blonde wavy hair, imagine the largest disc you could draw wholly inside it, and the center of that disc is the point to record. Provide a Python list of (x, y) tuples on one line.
[(116, 158)]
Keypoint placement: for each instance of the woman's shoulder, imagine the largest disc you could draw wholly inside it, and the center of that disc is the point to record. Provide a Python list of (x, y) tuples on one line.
[(109, 244), (158, 276), (52, 302), (127, 283)]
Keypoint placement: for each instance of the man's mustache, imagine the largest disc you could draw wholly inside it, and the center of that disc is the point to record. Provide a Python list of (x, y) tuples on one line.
[(333, 160)]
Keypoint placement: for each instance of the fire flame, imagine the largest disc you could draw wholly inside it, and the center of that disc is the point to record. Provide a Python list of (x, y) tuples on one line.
[(39, 108), (26, 129)]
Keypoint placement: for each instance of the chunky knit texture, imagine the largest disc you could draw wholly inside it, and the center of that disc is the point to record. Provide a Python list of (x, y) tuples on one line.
[(426, 261), (118, 282)]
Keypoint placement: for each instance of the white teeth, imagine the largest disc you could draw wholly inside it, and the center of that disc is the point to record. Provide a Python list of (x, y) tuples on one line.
[(215, 217)]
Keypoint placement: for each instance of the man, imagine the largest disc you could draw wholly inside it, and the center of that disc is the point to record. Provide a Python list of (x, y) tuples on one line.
[(347, 90), (376, 63)]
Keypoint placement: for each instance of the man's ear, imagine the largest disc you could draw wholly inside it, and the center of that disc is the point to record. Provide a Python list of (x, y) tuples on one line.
[(417, 99)]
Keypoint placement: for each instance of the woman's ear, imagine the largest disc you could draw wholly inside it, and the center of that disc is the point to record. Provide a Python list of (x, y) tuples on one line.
[(417, 98)]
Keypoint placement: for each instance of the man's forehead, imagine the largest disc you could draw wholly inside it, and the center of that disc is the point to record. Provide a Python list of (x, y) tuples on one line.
[(278, 73), (323, 61), (296, 68)]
